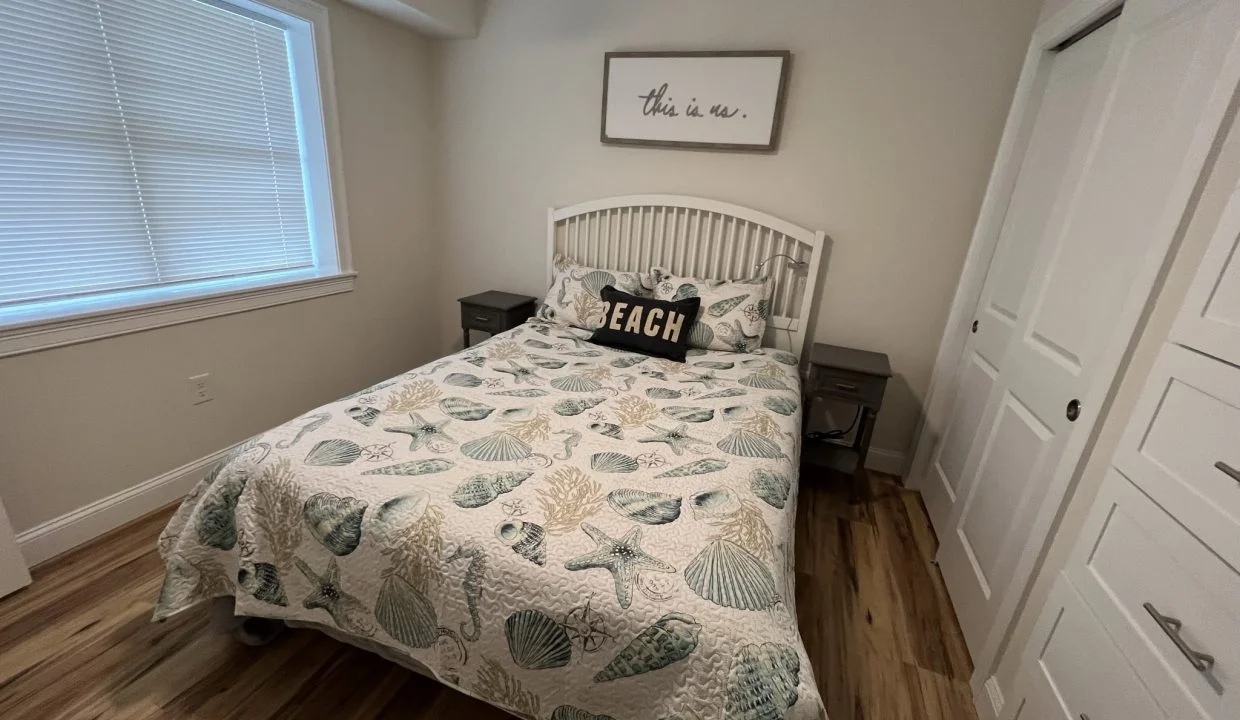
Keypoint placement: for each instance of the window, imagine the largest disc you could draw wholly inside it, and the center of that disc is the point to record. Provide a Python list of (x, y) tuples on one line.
[(156, 152)]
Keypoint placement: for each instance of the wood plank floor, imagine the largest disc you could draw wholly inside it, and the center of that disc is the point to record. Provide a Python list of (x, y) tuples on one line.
[(79, 642)]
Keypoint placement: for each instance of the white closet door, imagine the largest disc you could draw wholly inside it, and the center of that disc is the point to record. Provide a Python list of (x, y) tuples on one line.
[(13, 573), (1069, 85), (1171, 71)]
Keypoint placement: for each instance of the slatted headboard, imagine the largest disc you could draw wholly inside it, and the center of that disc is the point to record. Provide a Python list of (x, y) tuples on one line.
[(697, 238)]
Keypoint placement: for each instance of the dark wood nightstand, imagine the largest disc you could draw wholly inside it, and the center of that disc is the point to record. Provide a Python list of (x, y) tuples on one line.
[(494, 311), (846, 375)]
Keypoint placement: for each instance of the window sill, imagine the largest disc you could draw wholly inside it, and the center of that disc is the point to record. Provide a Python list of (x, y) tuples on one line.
[(44, 335)]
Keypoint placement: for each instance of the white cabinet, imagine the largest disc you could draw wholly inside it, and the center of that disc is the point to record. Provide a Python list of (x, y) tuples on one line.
[(1182, 445), (1073, 670), (1210, 318), (1168, 600), (1151, 592), (1157, 561)]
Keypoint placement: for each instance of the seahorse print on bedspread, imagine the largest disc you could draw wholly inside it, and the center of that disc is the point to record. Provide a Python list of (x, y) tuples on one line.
[(475, 573)]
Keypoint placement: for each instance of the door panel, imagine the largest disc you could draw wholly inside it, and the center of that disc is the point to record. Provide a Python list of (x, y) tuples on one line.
[(1067, 94), (1209, 320), (1014, 454), (1069, 84), (1083, 287), (1017, 450), (1151, 130), (975, 386)]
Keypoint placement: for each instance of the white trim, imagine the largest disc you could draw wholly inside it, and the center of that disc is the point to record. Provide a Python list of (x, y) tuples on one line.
[(93, 326), (891, 462), (58, 535), (441, 19), (321, 147), (61, 534), (1021, 117)]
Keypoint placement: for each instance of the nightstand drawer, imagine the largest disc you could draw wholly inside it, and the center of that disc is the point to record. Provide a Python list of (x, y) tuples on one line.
[(484, 319), (845, 385)]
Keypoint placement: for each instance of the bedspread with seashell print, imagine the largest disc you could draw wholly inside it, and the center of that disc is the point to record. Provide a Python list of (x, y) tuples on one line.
[(562, 529)]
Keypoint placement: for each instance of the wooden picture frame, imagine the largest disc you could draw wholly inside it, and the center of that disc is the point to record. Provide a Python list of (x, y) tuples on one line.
[(705, 100)]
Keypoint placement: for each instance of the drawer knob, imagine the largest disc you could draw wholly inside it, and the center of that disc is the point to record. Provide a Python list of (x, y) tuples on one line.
[(1228, 470), (1201, 662), (1074, 410)]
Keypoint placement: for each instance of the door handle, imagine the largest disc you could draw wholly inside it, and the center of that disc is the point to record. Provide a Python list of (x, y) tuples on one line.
[(973, 327), (1201, 662), (1228, 470), (1074, 410)]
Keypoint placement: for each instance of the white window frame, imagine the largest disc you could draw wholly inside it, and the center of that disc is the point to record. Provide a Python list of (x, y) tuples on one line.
[(314, 89)]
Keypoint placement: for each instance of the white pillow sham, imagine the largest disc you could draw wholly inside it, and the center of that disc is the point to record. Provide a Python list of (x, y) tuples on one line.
[(573, 298), (733, 314)]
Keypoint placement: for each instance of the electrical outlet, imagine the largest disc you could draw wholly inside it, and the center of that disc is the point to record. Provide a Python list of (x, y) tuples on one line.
[(199, 391)]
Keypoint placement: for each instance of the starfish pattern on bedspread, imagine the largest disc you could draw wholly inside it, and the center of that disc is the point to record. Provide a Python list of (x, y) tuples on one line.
[(347, 612), (708, 379), (676, 438), (421, 431), (624, 558), (519, 374)]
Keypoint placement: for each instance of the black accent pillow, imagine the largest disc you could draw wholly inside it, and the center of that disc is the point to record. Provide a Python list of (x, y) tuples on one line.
[(652, 327)]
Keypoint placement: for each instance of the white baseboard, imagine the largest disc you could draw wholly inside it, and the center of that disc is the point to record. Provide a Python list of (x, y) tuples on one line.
[(892, 462), (47, 540)]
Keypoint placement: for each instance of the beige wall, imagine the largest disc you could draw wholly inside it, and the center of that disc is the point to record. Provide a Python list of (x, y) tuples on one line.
[(1051, 7), (894, 112), (1167, 299), (82, 422)]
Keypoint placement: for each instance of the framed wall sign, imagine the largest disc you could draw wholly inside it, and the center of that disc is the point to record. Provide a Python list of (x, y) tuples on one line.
[(712, 100)]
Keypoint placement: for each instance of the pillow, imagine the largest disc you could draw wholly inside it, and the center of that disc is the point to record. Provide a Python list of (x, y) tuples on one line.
[(652, 327), (573, 298), (733, 312)]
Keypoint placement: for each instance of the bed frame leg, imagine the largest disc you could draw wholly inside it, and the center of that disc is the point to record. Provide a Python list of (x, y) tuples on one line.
[(246, 630)]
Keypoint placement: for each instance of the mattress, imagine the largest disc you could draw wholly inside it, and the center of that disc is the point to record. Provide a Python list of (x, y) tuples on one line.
[(564, 530)]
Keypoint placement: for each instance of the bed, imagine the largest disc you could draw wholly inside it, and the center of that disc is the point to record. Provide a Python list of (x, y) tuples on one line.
[(565, 530)]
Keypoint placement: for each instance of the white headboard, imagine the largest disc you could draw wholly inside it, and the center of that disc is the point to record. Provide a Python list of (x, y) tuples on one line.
[(698, 238)]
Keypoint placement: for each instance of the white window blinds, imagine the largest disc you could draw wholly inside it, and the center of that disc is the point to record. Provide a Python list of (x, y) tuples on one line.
[(144, 144)]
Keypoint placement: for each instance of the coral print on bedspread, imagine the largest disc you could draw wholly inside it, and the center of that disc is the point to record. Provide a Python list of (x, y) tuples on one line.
[(568, 531)]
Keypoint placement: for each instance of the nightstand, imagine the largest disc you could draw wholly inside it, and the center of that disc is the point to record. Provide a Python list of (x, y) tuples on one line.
[(494, 311), (857, 377)]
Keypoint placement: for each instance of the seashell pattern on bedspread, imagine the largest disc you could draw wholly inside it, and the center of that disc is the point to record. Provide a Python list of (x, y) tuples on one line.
[(560, 529)]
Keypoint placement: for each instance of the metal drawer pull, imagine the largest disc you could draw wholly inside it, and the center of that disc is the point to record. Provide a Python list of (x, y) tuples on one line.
[(1200, 661), (1228, 470), (846, 386), (482, 318), (1084, 716)]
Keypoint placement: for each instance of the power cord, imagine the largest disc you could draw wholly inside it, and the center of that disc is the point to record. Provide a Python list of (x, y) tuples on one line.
[(835, 434)]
